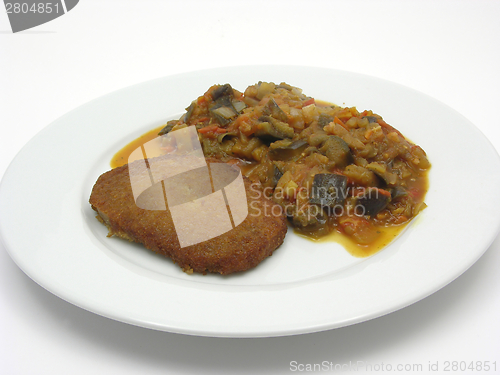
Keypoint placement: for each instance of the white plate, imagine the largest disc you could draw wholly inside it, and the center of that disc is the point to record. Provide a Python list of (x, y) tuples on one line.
[(50, 231)]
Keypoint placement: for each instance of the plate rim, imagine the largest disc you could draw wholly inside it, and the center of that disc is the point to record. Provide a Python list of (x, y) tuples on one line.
[(267, 332)]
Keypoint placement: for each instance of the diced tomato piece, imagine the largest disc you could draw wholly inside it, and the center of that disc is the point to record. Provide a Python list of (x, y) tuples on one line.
[(308, 102), (207, 129)]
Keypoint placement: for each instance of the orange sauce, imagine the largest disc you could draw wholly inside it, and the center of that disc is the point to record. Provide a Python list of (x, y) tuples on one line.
[(121, 157), (386, 236)]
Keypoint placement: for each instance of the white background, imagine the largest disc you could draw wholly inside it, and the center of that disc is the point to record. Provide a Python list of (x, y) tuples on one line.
[(449, 50)]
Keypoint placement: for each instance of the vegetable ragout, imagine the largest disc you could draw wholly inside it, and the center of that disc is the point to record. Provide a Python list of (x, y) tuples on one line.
[(330, 168)]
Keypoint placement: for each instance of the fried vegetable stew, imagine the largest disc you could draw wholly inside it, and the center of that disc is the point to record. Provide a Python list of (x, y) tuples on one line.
[(329, 167)]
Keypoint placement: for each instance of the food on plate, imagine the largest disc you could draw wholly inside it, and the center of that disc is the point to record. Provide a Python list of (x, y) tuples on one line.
[(330, 168), (148, 220)]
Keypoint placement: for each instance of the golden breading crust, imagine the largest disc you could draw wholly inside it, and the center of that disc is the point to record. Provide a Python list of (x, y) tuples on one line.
[(239, 249)]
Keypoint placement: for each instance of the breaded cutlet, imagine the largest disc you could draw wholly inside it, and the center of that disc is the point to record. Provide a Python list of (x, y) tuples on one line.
[(239, 249)]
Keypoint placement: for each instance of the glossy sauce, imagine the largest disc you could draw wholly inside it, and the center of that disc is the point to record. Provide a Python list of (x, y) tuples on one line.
[(387, 235), (121, 157)]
